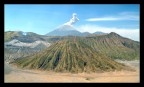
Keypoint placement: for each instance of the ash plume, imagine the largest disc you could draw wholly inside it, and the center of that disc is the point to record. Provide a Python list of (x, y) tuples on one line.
[(73, 20)]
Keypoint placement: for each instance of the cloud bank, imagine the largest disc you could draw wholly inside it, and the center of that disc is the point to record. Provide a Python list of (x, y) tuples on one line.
[(121, 16), (129, 33)]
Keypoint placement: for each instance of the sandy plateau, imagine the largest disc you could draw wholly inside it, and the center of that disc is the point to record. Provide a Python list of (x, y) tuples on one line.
[(15, 75)]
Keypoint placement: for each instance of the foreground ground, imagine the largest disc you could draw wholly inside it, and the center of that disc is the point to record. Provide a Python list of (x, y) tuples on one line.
[(17, 75)]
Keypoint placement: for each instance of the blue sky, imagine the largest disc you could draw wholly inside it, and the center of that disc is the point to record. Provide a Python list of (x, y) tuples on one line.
[(41, 19)]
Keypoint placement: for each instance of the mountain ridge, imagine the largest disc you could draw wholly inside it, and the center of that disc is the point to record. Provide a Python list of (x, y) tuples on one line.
[(68, 30), (70, 55), (112, 44)]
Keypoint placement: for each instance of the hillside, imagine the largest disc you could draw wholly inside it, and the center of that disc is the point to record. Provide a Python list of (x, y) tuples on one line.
[(114, 46), (70, 55), (16, 49), (22, 36)]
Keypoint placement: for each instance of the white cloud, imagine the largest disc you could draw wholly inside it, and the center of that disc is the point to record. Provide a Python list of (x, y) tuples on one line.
[(129, 33), (102, 19), (121, 16), (128, 13)]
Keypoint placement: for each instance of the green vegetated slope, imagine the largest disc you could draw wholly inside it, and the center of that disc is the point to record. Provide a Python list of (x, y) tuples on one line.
[(73, 54), (10, 34), (29, 37), (114, 46)]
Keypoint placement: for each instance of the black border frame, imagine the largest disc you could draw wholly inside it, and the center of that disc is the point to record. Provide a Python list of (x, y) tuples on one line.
[(75, 2)]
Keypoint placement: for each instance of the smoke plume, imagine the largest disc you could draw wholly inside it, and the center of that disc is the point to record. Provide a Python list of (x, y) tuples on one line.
[(73, 20)]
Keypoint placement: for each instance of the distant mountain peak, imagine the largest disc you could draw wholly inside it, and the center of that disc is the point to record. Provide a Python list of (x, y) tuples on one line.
[(114, 34), (64, 30), (99, 33), (66, 27)]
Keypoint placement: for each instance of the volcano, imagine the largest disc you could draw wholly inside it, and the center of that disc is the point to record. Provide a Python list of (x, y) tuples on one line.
[(72, 54), (65, 30)]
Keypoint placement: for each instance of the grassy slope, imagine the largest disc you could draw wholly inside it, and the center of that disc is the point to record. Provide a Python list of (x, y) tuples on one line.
[(9, 35), (73, 55), (114, 46)]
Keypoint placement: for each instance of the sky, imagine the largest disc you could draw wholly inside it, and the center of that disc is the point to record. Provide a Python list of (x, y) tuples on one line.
[(124, 19)]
